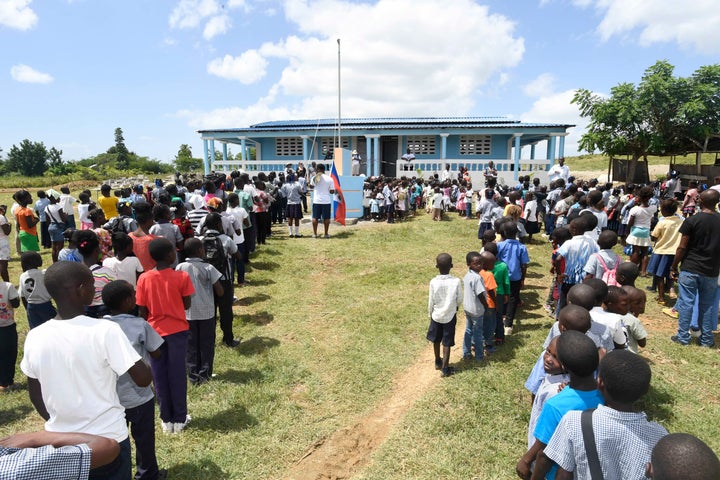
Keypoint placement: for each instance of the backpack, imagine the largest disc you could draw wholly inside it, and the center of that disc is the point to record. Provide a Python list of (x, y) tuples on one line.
[(609, 275), (215, 252), (118, 225)]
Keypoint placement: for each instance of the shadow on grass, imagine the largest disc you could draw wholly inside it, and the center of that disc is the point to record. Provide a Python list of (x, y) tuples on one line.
[(260, 318), (261, 282), (257, 345), (203, 468), (264, 265), (240, 377), (233, 419), (658, 404), (14, 414), (341, 234), (260, 297)]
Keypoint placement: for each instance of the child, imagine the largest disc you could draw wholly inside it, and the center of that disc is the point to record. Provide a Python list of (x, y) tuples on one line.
[(487, 260), (201, 315), (107, 202), (681, 456), (627, 273), (555, 378), (515, 255), (73, 386), (558, 237), (89, 248), (83, 209), (70, 253), (578, 355), (40, 205), (444, 298), (616, 306), (242, 218), (9, 301), (502, 292), (165, 228), (666, 236), (633, 328), (603, 264), (98, 218), (141, 237), (32, 290), (375, 208), (639, 224), (690, 201), (124, 265), (163, 295), (67, 201), (530, 214), (438, 203), (124, 221), (5, 229), (624, 438), (575, 253), (139, 402), (474, 304), (57, 223), (486, 212), (27, 221)]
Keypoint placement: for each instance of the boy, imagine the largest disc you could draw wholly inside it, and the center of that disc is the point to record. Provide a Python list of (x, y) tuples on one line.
[(515, 255), (578, 355), (624, 438), (680, 456), (139, 402), (474, 304), (35, 296), (502, 281), (633, 328), (603, 265), (487, 261), (575, 252), (72, 386), (445, 296), (616, 305), (163, 295), (107, 202), (201, 315), (627, 273)]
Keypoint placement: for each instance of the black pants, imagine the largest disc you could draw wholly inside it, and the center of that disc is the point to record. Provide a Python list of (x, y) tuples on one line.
[(201, 350), (262, 226), (513, 300), (8, 354), (251, 235), (142, 428), (224, 306)]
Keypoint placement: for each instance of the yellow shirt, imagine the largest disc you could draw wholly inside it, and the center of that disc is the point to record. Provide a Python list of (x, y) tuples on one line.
[(667, 233), (108, 206)]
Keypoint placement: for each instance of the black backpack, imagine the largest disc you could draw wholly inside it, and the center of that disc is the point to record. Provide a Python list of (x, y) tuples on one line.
[(117, 224), (215, 252)]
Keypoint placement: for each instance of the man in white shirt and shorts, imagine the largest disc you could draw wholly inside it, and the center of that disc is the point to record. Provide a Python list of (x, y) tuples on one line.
[(323, 189)]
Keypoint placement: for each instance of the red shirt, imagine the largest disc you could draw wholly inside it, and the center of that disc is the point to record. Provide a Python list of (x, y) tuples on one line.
[(162, 292), (141, 249)]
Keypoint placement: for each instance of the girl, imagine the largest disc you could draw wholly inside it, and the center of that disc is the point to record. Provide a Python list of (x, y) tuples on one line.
[(124, 265), (5, 229), (83, 209), (141, 237), (530, 215), (89, 248), (97, 217), (27, 222), (262, 213), (461, 201), (70, 253), (691, 196), (165, 228), (57, 218), (8, 335), (666, 235), (639, 219)]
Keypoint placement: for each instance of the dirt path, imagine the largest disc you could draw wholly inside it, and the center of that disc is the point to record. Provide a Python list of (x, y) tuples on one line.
[(348, 450)]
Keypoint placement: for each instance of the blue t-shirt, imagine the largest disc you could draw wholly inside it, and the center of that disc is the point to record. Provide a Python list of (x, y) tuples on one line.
[(554, 409), (514, 254)]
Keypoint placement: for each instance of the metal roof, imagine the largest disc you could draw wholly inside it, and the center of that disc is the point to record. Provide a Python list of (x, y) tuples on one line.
[(388, 123)]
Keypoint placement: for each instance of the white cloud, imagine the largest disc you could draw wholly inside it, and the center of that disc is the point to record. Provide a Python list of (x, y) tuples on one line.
[(26, 74), (411, 57), (216, 26), (247, 68), (17, 14), (542, 85), (556, 108), (695, 26), (189, 13)]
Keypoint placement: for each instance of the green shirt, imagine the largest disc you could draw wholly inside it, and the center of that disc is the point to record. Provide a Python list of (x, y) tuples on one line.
[(502, 278)]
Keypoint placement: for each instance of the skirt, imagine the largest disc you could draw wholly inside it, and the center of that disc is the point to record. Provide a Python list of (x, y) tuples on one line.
[(532, 227), (639, 236)]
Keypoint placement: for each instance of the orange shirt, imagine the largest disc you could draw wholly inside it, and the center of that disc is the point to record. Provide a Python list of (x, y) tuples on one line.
[(141, 249), (162, 292), (490, 285), (22, 214)]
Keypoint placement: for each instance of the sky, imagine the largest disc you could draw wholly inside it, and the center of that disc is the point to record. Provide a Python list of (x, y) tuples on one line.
[(72, 71)]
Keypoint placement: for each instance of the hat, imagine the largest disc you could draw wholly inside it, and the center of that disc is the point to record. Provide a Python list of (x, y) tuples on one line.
[(214, 203), (53, 193), (354, 152)]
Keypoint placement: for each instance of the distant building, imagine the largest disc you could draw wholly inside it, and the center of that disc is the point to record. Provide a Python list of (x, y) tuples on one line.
[(456, 141)]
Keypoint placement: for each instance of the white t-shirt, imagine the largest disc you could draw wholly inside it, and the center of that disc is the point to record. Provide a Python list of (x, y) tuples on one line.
[(557, 171), (77, 362), (323, 184), (240, 215), (612, 321), (125, 269), (643, 215), (32, 286), (531, 211), (83, 210), (7, 312), (3, 221)]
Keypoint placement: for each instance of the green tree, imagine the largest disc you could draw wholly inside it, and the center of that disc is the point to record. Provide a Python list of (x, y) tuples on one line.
[(184, 161), (29, 159), (123, 155)]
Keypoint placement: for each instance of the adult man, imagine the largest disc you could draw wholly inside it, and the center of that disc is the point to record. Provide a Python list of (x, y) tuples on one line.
[(408, 157), (54, 455), (559, 170), (355, 163), (323, 189), (699, 252)]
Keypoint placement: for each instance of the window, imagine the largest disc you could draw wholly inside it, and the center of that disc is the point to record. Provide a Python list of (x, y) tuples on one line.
[(475, 144), (421, 144), (289, 147), (328, 143)]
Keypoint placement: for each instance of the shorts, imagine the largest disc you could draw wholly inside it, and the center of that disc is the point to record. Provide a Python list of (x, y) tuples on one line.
[(293, 210), (321, 211), (56, 231), (442, 332), (28, 242), (659, 265), (4, 249)]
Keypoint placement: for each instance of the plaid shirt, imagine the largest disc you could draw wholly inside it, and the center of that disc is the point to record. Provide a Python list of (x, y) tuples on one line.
[(47, 463), (444, 298)]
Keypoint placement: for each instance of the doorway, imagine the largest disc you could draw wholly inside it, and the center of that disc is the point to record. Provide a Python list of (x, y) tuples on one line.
[(388, 156)]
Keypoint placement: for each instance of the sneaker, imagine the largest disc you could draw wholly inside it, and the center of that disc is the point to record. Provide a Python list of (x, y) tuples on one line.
[(675, 339), (315, 235), (447, 371), (508, 331), (326, 236), (168, 427), (438, 363), (298, 236), (695, 333), (180, 426), (670, 312)]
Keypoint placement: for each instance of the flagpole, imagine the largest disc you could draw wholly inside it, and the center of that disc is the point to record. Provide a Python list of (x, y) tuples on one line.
[(339, 96)]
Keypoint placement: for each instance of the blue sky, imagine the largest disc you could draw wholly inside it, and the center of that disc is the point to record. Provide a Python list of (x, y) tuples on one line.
[(71, 71)]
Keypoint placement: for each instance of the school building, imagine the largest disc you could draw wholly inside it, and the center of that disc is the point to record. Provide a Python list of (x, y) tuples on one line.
[(469, 142)]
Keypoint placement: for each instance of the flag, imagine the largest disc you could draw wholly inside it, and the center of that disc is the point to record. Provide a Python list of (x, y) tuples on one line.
[(338, 199)]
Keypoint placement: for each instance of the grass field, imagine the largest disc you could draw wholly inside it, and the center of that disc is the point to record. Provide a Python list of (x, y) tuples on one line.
[(333, 338)]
